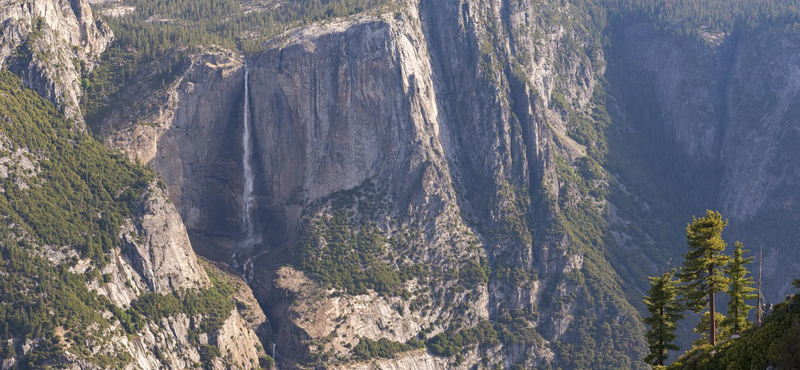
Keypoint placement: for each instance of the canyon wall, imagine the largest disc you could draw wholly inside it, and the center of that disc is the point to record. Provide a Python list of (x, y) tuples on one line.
[(478, 133)]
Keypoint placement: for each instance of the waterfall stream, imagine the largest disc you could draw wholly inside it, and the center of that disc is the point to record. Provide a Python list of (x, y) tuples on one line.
[(248, 200), (249, 236)]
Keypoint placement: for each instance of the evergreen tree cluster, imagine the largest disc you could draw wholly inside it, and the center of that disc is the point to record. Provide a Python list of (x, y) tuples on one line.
[(773, 344), (706, 271)]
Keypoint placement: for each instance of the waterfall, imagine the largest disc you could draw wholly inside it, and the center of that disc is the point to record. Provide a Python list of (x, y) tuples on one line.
[(248, 199)]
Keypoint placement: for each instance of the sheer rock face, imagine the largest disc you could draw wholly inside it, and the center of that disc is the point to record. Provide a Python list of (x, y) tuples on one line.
[(173, 340), (156, 255), (49, 44), (408, 102), (189, 132)]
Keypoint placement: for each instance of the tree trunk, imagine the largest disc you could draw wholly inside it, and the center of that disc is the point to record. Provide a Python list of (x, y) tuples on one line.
[(662, 348), (713, 324)]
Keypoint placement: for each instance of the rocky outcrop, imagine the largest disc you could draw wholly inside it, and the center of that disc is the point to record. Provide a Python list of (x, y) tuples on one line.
[(418, 360), (156, 255), (159, 247), (170, 342), (49, 44)]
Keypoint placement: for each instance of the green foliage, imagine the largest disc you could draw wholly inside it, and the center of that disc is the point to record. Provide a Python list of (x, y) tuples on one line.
[(156, 27), (119, 67), (515, 327), (349, 256), (159, 34), (207, 354), (36, 297), (515, 219), (84, 191), (383, 348), (704, 328), (665, 311), (741, 290), (589, 130), (266, 362), (215, 304), (704, 263), (472, 273), (513, 275), (451, 342), (599, 287), (689, 17), (594, 340)]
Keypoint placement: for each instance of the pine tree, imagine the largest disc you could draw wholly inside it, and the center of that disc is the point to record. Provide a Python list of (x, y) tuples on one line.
[(701, 275), (741, 290), (665, 311)]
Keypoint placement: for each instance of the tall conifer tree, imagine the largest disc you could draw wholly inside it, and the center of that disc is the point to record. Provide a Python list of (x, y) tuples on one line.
[(701, 275), (740, 291), (665, 311)]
